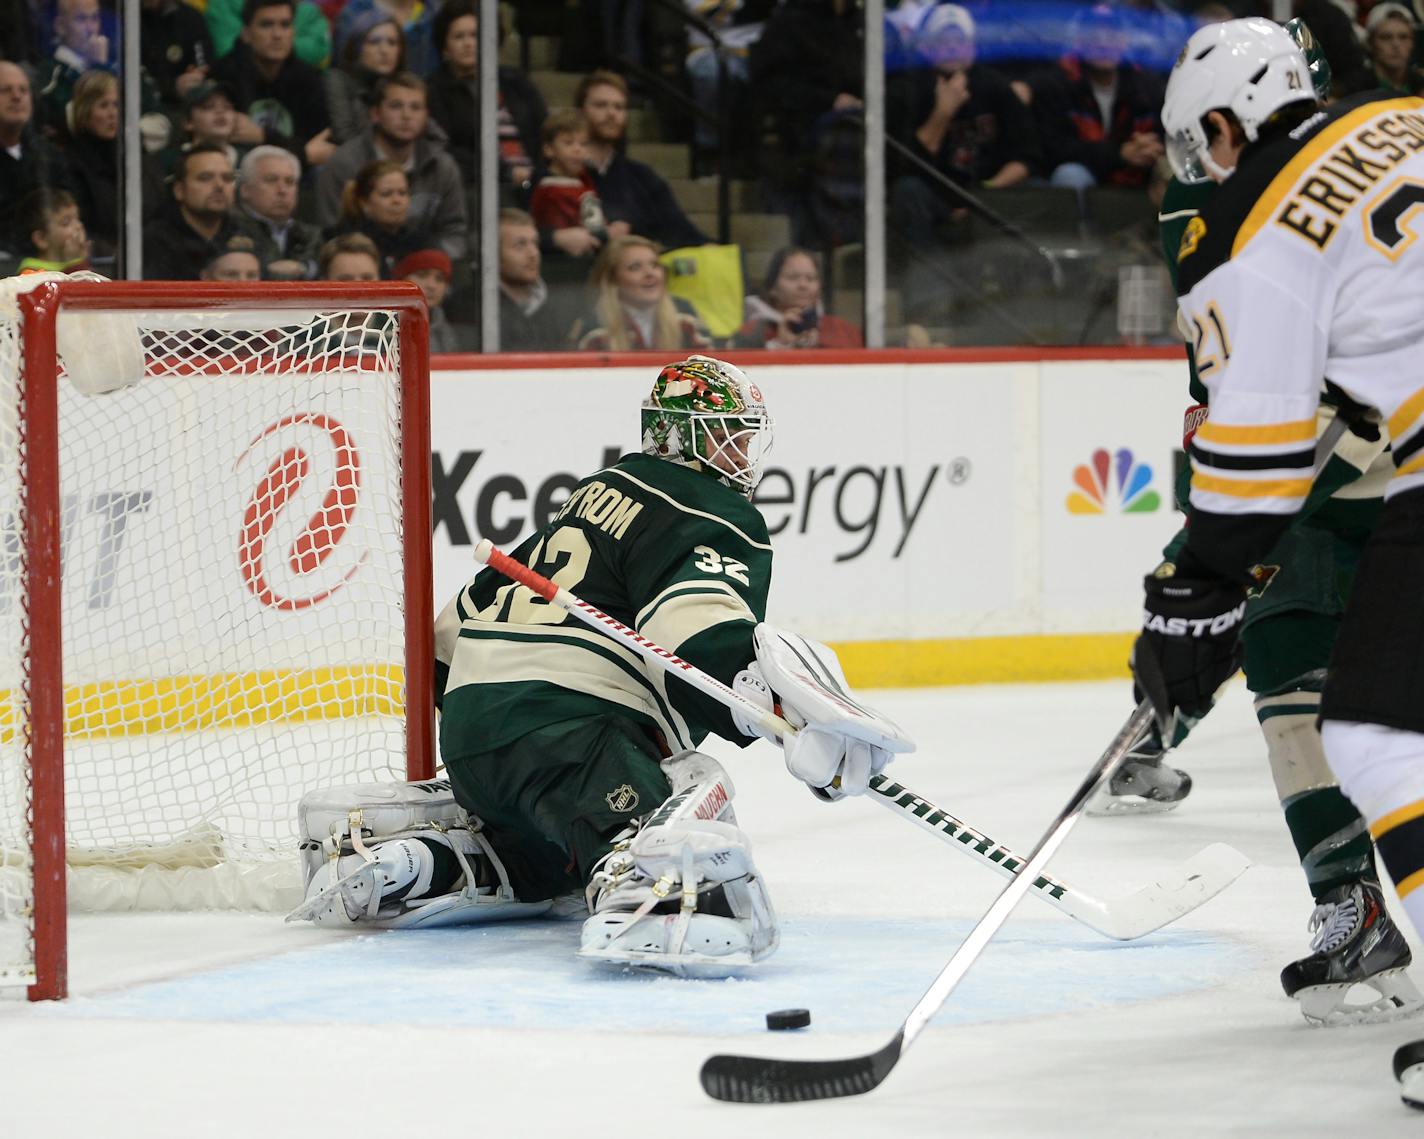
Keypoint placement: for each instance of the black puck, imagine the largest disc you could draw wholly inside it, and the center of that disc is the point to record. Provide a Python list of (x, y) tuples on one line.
[(788, 1018)]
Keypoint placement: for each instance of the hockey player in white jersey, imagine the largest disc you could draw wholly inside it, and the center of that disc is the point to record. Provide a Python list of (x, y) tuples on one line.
[(1304, 267)]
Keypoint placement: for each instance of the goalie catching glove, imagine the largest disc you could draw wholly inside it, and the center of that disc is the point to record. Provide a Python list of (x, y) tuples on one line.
[(839, 744), (1190, 645)]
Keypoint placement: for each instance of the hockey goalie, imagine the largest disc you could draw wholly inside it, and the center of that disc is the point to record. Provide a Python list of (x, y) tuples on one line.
[(575, 783)]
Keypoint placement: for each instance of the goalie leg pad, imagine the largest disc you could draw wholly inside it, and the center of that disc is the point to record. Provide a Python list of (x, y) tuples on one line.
[(679, 892), (399, 855)]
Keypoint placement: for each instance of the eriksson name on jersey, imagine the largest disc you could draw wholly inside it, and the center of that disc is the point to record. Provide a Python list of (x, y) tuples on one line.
[(1349, 170), (608, 509)]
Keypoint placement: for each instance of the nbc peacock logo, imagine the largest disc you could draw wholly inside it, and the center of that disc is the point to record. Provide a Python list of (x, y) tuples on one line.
[(1117, 482)]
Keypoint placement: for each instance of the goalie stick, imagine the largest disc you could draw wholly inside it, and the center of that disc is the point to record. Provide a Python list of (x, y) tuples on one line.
[(1176, 892), (755, 1079)]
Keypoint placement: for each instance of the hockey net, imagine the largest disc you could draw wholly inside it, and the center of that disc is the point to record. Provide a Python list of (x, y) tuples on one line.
[(242, 504)]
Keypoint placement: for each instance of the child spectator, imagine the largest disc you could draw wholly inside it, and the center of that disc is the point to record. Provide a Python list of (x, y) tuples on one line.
[(374, 50), (431, 270), (632, 308), (235, 260), (50, 220), (209, 116), (565, 205), (280, 98), (349, 257), (788, 313), (377, 203)]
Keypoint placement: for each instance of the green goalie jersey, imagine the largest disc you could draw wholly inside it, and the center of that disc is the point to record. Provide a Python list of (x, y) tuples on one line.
[(665, 549)]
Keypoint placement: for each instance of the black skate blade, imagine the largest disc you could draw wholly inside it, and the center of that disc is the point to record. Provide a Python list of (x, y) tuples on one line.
[(755, 1079)]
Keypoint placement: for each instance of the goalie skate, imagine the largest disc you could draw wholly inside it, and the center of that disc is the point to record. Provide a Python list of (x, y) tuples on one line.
[(1142, 785), (1356, 946), (678, 892)]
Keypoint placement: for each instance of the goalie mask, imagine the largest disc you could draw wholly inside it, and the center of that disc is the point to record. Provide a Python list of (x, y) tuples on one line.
[(706, 414), (1251, 68)]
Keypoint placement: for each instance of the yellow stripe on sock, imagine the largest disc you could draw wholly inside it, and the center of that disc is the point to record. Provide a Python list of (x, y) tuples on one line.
[(1387, 823)]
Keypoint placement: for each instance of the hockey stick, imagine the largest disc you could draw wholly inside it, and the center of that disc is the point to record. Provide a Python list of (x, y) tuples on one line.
[(754, 1079), (1203, 876)]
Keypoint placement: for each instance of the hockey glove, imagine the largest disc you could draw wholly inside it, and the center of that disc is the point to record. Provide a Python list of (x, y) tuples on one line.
[(1189, 646)]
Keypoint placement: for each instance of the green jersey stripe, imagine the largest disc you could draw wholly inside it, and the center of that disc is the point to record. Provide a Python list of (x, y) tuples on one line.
[(740, 533)]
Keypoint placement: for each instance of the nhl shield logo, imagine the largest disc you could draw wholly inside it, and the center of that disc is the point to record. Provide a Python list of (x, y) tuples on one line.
[(622, 799)]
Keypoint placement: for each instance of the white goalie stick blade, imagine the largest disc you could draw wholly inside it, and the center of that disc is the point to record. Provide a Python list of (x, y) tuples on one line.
[(1175, 892)]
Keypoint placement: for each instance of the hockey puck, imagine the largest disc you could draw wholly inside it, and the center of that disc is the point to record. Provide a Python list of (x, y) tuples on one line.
[(788, 1018)]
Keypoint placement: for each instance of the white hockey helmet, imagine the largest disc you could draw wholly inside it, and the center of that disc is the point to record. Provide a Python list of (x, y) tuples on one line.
[(705, 413), (1250, 67)]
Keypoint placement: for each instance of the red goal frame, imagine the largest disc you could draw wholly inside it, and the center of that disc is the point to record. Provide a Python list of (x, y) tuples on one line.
[(43, 682)]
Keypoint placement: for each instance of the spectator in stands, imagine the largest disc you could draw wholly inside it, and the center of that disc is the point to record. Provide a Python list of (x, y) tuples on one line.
[(93, 156), (431, 270), (635, 198), (349, 257), (530, 317), (79, 44), (397, 133), (209, 115), (739, 24), (311, 30), (267, 187), (236, 260), (454, 99), (195, 225), (1389, 43), (19, 35), (55, 232), (375, 49), (788, 312), (807, 73), (962, 120), (27, 160), (377, 203), (280, 98), (565, 205), (632, 308), (174, 47), (416, 19), (1097, 115)]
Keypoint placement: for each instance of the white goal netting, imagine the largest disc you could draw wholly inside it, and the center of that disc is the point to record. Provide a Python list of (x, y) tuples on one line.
[(233, 604)]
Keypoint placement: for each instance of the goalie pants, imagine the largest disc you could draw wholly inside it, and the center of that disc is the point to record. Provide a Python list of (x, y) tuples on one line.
[(553, 799)]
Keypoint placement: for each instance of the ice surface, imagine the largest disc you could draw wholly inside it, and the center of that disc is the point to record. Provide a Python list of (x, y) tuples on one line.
[(236, 1025)]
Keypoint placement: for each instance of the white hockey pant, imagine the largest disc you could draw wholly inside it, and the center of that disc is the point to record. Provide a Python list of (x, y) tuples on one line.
[(680, 892), (1382, 771)]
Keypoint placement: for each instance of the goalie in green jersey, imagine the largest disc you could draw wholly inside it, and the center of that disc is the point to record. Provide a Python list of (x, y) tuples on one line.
[(577, 758)]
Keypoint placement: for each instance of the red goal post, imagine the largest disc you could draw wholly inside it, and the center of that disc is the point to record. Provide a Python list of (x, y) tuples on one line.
[(215, 587)]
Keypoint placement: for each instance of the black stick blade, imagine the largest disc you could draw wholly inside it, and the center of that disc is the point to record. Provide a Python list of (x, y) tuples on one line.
[(755, 1079)]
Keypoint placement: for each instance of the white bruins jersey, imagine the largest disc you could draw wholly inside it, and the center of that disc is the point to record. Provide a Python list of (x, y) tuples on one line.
[(1304, 267)]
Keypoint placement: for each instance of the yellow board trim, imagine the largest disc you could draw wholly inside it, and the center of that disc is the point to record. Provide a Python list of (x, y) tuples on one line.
[(1408, 412), (1296, 431), (986, 660), (1410, 884), (1396, 818), (1284, 182), (235, 700), (1245, 488)]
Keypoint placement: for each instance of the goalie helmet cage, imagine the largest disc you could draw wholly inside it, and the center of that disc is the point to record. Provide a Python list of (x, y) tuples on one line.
[(244, 609)]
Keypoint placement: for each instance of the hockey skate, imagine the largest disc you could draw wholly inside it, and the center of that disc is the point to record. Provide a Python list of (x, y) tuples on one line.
[(1142, 785), (1355, 943), (679, 893)]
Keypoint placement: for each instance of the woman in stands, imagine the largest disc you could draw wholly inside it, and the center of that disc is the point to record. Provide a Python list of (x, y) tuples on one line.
[(788, 312), (377, 203), (374, 49), (632, 308)]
